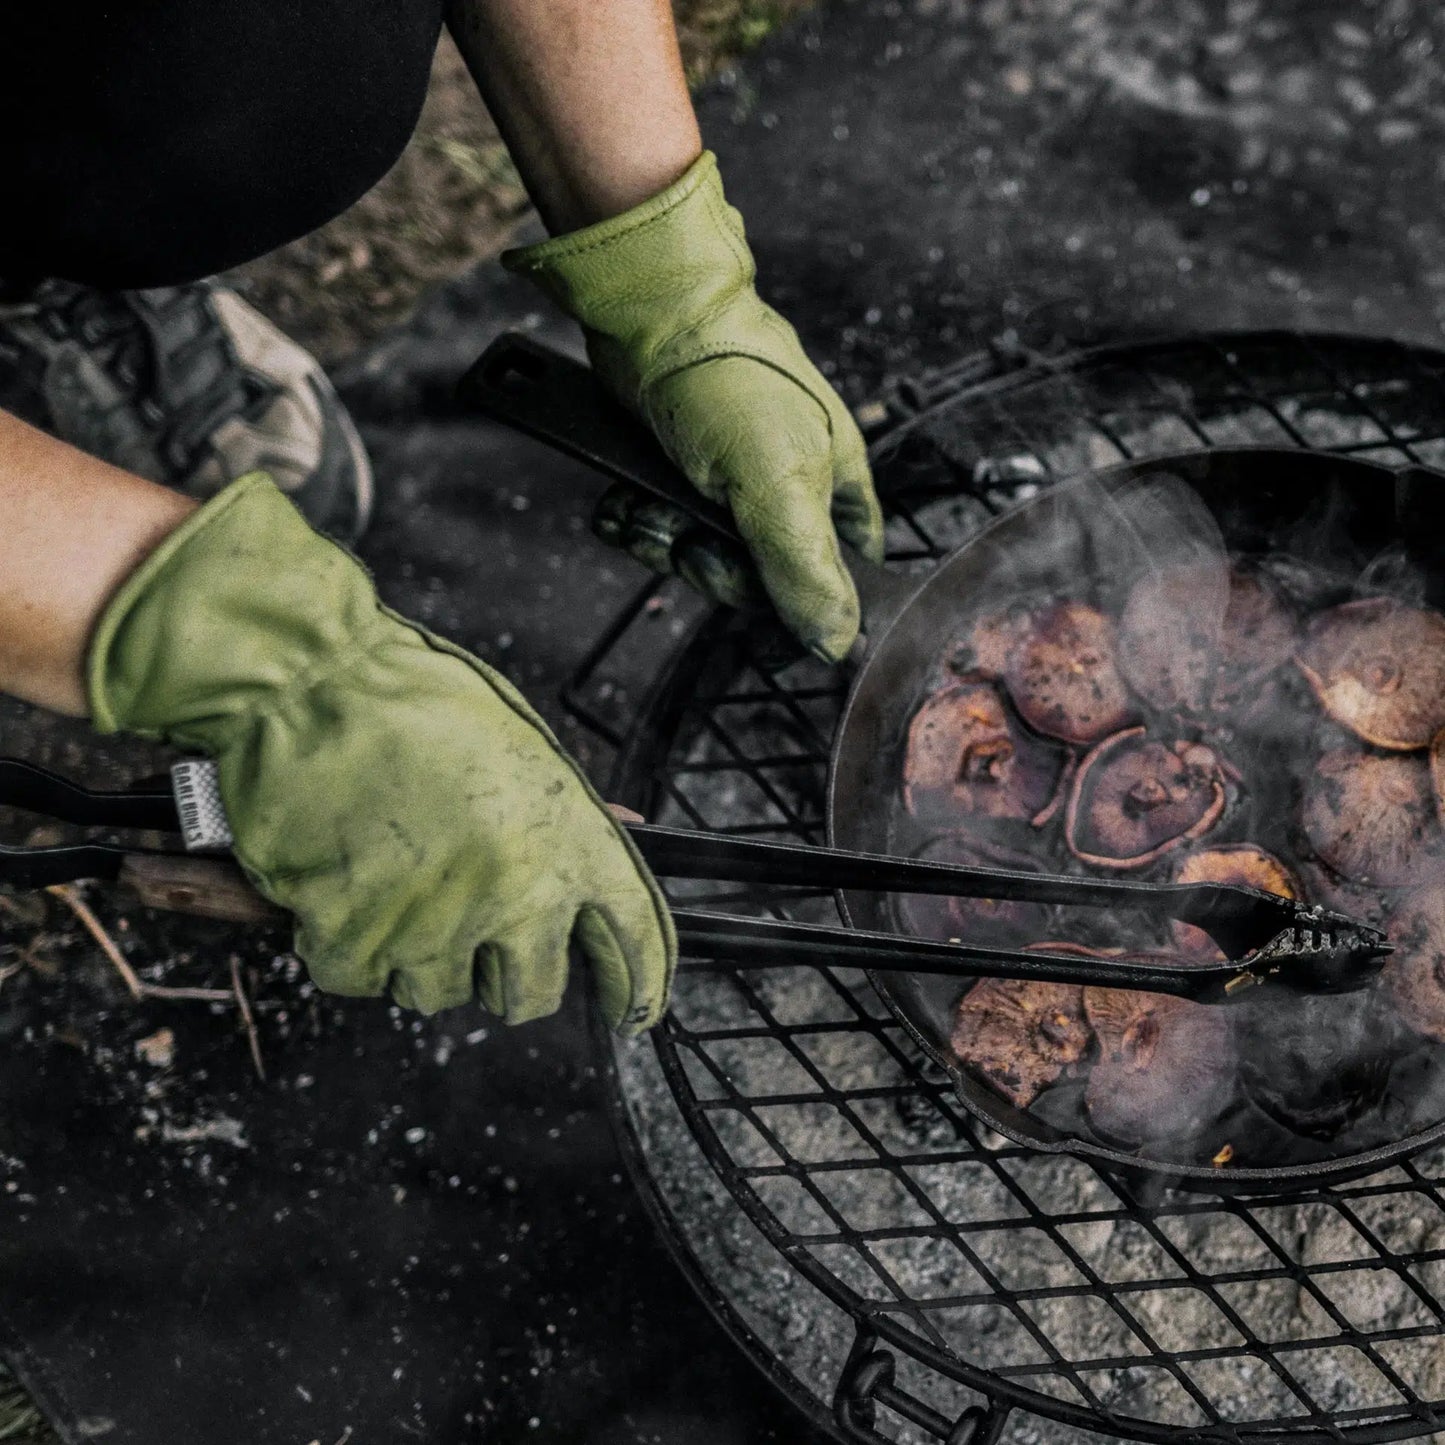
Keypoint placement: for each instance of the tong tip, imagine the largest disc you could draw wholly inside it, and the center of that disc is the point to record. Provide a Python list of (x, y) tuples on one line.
[(1320, 951)]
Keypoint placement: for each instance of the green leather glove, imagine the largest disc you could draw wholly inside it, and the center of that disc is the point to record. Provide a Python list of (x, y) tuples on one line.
[(675, 329), (399, 797)]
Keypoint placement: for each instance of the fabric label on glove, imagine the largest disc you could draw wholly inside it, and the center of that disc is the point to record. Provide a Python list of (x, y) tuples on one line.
[(204, 825)]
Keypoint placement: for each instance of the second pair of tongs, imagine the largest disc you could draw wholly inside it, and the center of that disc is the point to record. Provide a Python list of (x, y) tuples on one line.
[(1266, 939)]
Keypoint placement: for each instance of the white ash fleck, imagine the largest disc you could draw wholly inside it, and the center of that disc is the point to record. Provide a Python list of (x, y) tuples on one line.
[(221, 1130)]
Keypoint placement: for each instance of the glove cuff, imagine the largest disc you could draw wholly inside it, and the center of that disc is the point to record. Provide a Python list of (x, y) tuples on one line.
[(241, 600), (700, 184), (651, 285)]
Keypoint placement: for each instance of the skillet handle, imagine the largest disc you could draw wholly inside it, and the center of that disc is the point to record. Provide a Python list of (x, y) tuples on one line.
[(549, 396), (559, 402)]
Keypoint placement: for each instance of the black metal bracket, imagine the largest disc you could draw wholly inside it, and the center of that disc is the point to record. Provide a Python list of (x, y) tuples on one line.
[(869, 1379)]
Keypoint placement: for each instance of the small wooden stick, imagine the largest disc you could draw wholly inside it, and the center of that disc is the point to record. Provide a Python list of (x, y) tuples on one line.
[(96, 929), (186, 995), (244, 1004), (208, 887)]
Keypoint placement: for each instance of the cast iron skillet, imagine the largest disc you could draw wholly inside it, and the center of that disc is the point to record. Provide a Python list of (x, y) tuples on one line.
[(1325, 508)]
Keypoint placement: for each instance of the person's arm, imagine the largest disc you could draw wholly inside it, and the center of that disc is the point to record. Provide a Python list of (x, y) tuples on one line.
[(589, 97), (650, 259), (74, 529), (398, 797)]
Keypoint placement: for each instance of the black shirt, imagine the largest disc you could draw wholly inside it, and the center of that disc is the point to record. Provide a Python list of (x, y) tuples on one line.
[(148, 142)]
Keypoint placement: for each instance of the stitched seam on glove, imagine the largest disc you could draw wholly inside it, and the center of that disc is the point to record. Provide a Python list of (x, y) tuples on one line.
[(688, 360), (722, 217)]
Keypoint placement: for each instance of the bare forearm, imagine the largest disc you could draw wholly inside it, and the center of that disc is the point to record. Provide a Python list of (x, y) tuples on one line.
[(74, 529), (589, 96)]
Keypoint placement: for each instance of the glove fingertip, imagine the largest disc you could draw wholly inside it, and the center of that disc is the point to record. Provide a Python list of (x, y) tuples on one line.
[(864, 534), (487, 979), (633, 982), (829, 629)]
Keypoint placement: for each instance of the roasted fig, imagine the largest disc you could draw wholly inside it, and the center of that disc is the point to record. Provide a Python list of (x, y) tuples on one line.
[(1166, 1067), (1372, 817), (1063, 679), (989, 921), (1377, 667), (1020, 1037), (967, 756), (1198, 639), (1414, 976), (1240, 863), (1136, 799)]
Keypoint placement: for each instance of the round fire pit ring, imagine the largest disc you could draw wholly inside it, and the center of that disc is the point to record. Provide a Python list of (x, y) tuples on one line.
[(900, 1272)]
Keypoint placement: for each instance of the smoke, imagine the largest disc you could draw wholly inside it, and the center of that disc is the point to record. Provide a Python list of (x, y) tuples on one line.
[(1207, 597)]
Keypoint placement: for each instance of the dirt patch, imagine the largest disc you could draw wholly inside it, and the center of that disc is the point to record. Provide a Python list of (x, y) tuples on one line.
[(453, 199)]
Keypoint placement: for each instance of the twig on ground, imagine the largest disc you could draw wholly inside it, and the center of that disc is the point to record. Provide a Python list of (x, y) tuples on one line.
[(140, 989), (244, 1004), (96, 930), (186, 995)]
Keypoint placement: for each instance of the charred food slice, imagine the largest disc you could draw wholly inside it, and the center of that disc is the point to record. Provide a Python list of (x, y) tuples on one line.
[(1166, 1068), (1414, 974), (967, 756), (1137, 798), (1316, 1064), (989, 643), (1198, 639), (1372, 817), (1063, 677), (1019, 1037)]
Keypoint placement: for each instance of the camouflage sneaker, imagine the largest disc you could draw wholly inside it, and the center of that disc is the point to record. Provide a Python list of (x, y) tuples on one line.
[(187, 385)]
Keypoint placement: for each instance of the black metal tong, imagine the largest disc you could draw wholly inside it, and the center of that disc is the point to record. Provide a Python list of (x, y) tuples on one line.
[(1267, 940)]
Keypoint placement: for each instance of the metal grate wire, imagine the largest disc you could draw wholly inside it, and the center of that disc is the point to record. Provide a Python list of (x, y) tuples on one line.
[(962, 1288)]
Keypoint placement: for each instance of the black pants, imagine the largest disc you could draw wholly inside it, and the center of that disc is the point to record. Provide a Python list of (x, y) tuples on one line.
[(149, 142)]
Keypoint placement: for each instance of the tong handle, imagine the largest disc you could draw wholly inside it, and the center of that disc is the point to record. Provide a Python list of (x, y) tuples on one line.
[(763, 942), (1237, 918), (558, 401), (37, 790)]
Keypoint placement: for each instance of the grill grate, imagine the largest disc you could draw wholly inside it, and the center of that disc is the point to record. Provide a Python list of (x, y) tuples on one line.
[(937, 1283)]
